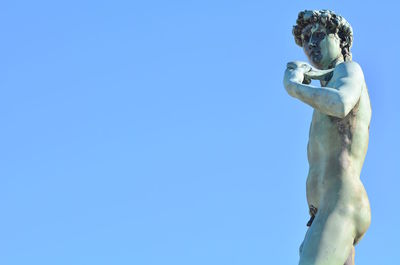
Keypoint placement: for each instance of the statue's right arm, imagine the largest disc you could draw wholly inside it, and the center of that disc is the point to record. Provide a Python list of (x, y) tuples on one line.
[(337, 100)]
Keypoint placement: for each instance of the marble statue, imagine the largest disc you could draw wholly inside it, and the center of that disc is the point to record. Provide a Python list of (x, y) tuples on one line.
[(338, 137)]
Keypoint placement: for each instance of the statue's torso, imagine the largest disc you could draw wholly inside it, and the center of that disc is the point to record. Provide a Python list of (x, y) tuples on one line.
[(336, 152)]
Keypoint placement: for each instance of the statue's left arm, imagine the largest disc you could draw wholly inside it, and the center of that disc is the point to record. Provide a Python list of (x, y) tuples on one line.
[(338, 99)]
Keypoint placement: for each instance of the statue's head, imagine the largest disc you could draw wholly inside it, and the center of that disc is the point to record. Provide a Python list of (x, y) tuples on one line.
[(324, 36)]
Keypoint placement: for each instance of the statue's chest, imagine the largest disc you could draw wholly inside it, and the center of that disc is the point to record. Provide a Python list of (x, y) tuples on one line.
[(332, 131), (321, 126)]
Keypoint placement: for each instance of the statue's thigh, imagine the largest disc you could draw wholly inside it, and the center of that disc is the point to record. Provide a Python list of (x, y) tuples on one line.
[(329, 240)]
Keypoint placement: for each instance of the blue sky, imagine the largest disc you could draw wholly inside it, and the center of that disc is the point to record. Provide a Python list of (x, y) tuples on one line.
[(159, 132)]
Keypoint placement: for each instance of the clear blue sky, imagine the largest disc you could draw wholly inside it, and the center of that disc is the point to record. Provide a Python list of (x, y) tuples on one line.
[(159, 132)]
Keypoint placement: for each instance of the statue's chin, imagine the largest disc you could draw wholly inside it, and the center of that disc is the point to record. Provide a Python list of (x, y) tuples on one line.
[(320, 65), (325, 63), (315, 61), (316, 65)]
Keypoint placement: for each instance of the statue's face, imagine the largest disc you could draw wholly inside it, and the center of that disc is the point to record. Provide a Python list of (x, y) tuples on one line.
[(321, 48)]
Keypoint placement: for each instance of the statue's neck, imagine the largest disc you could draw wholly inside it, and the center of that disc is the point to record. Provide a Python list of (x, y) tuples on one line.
[(333, 64)]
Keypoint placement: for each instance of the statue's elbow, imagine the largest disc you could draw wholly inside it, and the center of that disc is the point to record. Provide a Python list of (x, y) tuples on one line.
[(339, 113), (344, 109), (344, 105)]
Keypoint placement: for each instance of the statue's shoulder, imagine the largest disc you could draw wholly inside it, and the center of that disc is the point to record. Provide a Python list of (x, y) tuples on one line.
[(349, 69)]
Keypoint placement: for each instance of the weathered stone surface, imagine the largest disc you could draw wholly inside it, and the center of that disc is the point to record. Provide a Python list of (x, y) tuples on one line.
[(338, 138)]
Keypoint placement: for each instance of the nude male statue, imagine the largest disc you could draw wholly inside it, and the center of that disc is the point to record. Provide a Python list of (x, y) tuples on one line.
[(338, 138)]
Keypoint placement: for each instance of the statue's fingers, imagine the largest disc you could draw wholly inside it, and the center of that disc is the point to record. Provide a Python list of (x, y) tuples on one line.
[(306, 80), (303, 66), (291, 65)]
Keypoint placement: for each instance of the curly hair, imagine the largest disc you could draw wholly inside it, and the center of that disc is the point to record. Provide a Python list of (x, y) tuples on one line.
[(334, 23)]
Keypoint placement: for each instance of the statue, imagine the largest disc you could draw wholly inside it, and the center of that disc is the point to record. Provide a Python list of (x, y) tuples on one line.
[(338, 138)]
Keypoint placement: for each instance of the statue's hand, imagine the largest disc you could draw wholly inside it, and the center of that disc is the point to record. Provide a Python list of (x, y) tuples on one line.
[(299, 65), (294, 73)]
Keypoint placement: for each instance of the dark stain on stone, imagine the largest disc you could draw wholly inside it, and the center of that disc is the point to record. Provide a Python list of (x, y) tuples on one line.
[(346, 126)]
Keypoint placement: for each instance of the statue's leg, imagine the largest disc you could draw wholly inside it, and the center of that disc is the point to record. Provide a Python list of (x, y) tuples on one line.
[(329, 240), (301, 246), (350, 258)]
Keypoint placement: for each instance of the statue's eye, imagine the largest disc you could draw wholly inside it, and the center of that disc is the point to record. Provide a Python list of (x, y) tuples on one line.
[(306, 37)]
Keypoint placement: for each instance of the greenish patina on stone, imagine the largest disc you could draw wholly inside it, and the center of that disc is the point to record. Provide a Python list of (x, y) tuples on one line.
[(338, 138)]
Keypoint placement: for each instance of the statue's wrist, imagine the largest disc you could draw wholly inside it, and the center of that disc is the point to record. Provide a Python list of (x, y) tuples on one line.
[(292, 85)]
